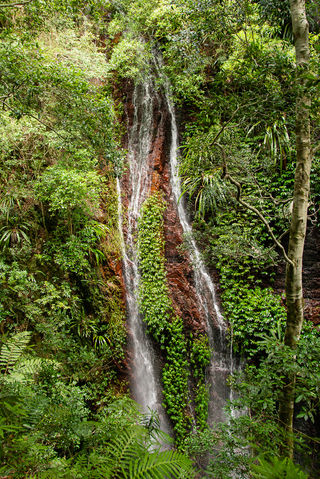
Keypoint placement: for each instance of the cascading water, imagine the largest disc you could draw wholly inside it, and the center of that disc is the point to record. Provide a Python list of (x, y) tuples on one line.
[(145, 373), (222, 363)]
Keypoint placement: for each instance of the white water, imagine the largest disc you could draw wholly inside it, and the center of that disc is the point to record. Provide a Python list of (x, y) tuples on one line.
[(221, 364), (145, 374)]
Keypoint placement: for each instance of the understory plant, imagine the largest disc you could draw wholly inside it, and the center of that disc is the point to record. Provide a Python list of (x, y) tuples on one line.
[(62, 335)]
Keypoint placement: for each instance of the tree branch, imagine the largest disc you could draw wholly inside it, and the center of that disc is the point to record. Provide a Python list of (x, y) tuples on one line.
[(315, 149), (278, 202), (251, 208), (38, 120), (224, 126), (260, 215), (239, 107)]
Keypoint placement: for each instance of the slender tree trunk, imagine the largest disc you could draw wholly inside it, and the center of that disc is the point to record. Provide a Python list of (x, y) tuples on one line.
[(294, 293)]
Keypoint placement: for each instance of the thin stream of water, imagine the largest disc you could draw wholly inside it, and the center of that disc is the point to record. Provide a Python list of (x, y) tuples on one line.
[(145, 374), (222, 362)]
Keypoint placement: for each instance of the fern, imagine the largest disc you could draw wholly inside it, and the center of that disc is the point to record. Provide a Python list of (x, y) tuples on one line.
[(13, 349), (133, 460), (160, 464), (13, 359), (24, 370), (277, 469), (127, 447)]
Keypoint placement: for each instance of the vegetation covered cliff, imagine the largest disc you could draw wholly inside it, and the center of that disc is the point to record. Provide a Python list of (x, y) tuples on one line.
[(68, 70)]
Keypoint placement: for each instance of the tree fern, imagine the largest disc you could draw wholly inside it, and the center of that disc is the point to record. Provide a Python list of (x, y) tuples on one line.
[(26, 368), (21, 366), (13, 349)]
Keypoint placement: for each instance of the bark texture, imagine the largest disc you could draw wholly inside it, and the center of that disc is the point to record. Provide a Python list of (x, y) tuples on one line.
[(294, 293)]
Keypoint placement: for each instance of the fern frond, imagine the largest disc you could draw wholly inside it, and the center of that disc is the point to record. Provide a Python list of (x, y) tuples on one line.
[(13, 349), (127, 447), (157, 465), (26, 368)]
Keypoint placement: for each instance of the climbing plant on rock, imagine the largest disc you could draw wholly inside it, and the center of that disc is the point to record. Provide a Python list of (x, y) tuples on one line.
[(162, 322)]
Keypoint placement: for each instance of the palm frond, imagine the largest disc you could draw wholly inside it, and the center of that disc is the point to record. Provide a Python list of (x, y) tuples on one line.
[(14, 233), (277, 142), (208, 191)]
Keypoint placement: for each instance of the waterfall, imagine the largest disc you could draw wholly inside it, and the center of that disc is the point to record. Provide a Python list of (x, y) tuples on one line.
[(222, 363), (144, 370)]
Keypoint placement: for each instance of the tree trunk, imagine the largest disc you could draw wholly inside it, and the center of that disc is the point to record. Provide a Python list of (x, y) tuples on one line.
[(294, 293)]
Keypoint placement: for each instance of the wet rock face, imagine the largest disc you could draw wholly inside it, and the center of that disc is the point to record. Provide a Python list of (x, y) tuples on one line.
[(179, 272)]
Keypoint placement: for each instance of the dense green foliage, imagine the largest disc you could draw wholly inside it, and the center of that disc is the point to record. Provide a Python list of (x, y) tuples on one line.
[(62, 315), (118, 444), (199, 359)]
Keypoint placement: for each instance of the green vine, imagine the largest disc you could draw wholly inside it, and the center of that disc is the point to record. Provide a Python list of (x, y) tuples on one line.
[(167, 328), (159, 315)]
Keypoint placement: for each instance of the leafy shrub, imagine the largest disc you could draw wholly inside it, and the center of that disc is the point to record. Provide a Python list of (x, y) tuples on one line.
[(68, 190), (252, 312)]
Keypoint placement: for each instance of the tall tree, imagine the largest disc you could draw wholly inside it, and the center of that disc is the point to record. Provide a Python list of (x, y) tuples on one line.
[(294, 292)]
